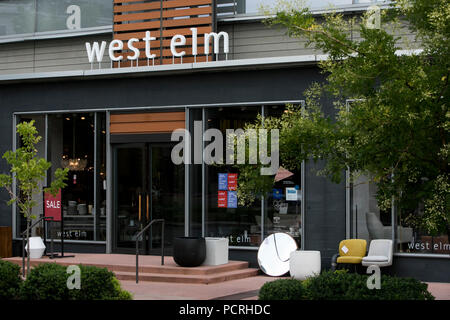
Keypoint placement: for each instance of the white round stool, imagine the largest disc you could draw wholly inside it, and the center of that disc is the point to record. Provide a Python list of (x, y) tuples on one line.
[(304, 264)]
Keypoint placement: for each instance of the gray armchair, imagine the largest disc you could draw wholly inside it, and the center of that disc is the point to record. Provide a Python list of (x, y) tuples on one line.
[(378, 231)]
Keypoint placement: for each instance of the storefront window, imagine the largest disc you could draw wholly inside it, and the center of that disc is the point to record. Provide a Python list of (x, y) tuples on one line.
[(76, 141), (55, 15), (71, 145), (39, 123), (421, 241), (368, 221), (195, 182), (224, 217), (30, 16), (254, 7), (17, 17), (283, 204)]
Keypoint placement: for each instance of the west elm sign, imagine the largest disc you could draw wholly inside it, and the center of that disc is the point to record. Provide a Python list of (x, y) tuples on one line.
[(96, 51)]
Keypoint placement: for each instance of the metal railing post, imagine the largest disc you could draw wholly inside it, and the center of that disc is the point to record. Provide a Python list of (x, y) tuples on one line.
[(137, 260), (162, 244), (138, 236)]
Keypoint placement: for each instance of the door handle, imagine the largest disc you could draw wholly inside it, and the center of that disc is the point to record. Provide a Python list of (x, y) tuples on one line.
[(140, 207), (147, 207)]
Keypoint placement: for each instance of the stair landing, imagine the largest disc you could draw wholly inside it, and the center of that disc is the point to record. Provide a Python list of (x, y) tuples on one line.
[(150, 268)]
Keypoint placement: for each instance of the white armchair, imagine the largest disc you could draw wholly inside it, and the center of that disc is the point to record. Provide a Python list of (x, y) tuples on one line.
[(380, 253), (378, 231)]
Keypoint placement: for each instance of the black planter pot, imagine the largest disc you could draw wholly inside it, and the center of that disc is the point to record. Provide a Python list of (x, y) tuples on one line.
[(189, 251)]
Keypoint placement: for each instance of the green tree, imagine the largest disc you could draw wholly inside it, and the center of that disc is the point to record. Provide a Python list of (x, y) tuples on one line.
[(29, 171), (396, 130)]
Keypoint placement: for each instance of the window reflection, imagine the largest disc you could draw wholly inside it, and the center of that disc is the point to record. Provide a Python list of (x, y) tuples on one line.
[(224, 218)]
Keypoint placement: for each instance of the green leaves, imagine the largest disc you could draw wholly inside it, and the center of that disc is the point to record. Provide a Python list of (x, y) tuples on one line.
[(29, 171), (397, 123)]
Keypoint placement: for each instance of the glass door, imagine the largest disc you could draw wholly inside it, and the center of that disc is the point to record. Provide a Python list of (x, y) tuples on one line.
[(167, 200), (130, 192), (147, 186)]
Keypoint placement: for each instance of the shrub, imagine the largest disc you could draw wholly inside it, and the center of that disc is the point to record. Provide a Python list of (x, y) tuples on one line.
[(282, 289), (350, 286), (120, 293), (98, 284), (47, 281), (10, 280)]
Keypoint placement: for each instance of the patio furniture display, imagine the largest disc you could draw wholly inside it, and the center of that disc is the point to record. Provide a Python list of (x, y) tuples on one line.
[(304, 264), (36, 247), (380, 253), (216, 251), (274, 254), (189, 251), (351, 251), (378, 231)]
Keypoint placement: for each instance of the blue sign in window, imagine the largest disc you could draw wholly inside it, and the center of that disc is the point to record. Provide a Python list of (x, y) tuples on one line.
[(223, 181), (232, 199)]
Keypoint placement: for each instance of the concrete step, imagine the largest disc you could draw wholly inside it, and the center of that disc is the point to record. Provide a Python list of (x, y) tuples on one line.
[(168, 269), (188, 278)]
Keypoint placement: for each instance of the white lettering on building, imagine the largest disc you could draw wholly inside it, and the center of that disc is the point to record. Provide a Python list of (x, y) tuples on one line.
[(96, 51)]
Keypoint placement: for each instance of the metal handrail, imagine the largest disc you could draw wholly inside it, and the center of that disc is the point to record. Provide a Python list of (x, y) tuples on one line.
[(137, 244), (23, 240)]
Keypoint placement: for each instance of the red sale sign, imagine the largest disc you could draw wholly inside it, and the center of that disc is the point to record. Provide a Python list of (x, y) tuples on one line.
[(222, 199), (52, 206), (232, 181)]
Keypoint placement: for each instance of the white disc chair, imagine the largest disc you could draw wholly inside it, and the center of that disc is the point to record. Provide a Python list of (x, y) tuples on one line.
[(380, 253)]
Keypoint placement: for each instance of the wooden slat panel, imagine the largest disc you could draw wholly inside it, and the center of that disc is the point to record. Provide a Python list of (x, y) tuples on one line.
[(165, 43), (137, 26), (146, 117), (126, 1), (186, 22), (5, 242), (185, 3), (137, 16), (146, 127), (187, 12), (186, 60), (166, 33), (177, 17), (138, 7), (143, 62), (185, 31)]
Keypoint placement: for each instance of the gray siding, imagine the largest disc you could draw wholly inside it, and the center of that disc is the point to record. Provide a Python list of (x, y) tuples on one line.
[(247, 40), (48, 55), (257, 40)]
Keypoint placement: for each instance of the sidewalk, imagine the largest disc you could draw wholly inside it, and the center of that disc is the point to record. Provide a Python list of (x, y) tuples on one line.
[(242, 289)]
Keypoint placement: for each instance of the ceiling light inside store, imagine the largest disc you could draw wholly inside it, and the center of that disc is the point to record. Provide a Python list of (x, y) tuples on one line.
[(83, 118), (74, 164)]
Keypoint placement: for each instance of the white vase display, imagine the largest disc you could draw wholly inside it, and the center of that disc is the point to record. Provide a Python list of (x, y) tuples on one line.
[(37, 247)]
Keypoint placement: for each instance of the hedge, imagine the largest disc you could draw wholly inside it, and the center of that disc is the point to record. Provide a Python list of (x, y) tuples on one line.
[(341, 285), (282, 289), (10, 280), (48, 281)]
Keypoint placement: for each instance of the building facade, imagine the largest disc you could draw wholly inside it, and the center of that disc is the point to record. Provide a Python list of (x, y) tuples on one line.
[(107, 83)]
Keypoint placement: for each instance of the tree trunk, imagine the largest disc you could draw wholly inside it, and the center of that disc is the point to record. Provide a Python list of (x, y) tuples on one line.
[(28, 245)]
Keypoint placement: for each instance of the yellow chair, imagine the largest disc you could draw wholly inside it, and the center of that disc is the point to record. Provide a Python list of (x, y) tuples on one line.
[(351, 251)]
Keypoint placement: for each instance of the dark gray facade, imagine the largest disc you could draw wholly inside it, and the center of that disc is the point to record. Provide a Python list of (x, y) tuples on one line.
[(325, 202)]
